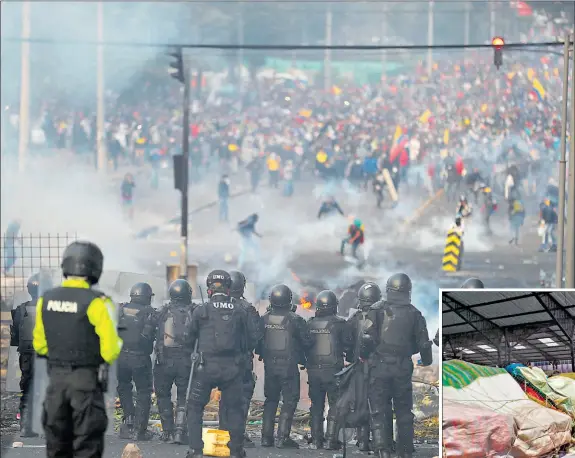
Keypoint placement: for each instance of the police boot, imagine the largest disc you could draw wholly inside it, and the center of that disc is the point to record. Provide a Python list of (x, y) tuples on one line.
[(167, 419), (141, 423), (317, 432), (26, 421), (195, 454), (127, 427), (363, 439), (331, 433), (378, 441), (268, 424), (248, 443), (284, 429), (180, 435)]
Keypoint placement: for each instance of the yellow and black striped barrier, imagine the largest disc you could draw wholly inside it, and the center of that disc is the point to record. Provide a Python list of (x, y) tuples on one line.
[(453, 251)]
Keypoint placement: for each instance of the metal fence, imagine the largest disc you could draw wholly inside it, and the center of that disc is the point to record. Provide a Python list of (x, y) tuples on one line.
[(24, 255)]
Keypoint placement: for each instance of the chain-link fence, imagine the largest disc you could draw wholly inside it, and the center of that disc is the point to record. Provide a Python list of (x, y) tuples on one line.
[(24, 255)]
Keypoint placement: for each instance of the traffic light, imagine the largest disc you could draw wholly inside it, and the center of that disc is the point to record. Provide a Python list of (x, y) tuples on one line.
[(176, 69), (180, 173), (498, 43)]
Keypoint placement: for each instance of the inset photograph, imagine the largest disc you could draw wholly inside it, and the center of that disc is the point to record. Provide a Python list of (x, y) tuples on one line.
[(508, 373)]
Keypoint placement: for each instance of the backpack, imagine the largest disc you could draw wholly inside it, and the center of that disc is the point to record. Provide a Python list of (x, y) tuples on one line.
[(518, 207)]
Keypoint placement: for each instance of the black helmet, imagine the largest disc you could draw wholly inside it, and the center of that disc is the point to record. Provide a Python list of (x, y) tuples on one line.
[(280, 296), (398, 283), (238, 283), (326, 300), (33, 285), (218, 281), (83, 259), (180, 291), (142, 292), (473, 283), (369, 293)]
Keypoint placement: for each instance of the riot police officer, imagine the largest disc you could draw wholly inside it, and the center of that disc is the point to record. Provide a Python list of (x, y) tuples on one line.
[(249, 380), (324, 359), (173, 360), (76, 331), (223, 333), (23, 320), (135, 364), (286, 338), (473, 283), (368, 294), (399, 331)]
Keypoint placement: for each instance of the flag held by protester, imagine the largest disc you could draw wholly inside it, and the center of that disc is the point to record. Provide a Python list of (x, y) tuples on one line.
[(538, 89)]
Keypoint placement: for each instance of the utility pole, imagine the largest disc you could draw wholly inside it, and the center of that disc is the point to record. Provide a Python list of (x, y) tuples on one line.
[(570, 236), (466, 29), (240, 51), (381, 41), (327, 52), (182, 161), (563, 168), (491, 19), (102, 157), (430, 30), (24, 117)]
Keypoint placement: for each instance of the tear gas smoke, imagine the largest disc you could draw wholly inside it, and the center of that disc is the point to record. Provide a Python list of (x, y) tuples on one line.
[(56, 197)]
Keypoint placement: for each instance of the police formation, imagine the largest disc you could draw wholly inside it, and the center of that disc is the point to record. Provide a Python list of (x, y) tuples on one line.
[(199, 347)]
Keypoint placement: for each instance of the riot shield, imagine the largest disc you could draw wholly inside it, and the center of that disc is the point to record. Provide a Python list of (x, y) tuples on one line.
[(48, 279)]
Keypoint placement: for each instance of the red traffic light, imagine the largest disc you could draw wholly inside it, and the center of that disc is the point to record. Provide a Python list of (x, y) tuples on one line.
[(498, 42)]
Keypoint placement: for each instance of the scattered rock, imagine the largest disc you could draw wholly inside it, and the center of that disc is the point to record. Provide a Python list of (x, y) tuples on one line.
[(132, 451)]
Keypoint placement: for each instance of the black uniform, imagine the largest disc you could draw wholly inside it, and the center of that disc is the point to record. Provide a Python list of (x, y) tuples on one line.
[(249, 378), (398, 333), (23, 321), (223, 334), (286, 337), (76, 329), (134, 363), (173, 359), (368, 294), (324, 359)]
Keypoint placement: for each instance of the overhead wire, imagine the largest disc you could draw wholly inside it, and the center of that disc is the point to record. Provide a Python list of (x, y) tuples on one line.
[(286, 47)]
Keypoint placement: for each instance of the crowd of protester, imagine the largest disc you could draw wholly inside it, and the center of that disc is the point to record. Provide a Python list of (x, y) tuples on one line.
[(427, 129)]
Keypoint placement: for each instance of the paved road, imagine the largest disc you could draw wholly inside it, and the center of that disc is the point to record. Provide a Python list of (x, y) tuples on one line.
[(114, 447)]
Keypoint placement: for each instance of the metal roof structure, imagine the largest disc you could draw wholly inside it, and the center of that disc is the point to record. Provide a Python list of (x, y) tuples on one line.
[(498, 328)]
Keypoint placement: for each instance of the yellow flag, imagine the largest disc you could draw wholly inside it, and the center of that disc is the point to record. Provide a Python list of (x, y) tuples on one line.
[(305, 113), (425, 116), (538, 87), (446, 136), (510, 75), (397, 134), (336, 90), (466, 121), (530, 74), (483, 108), (232, 147)]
